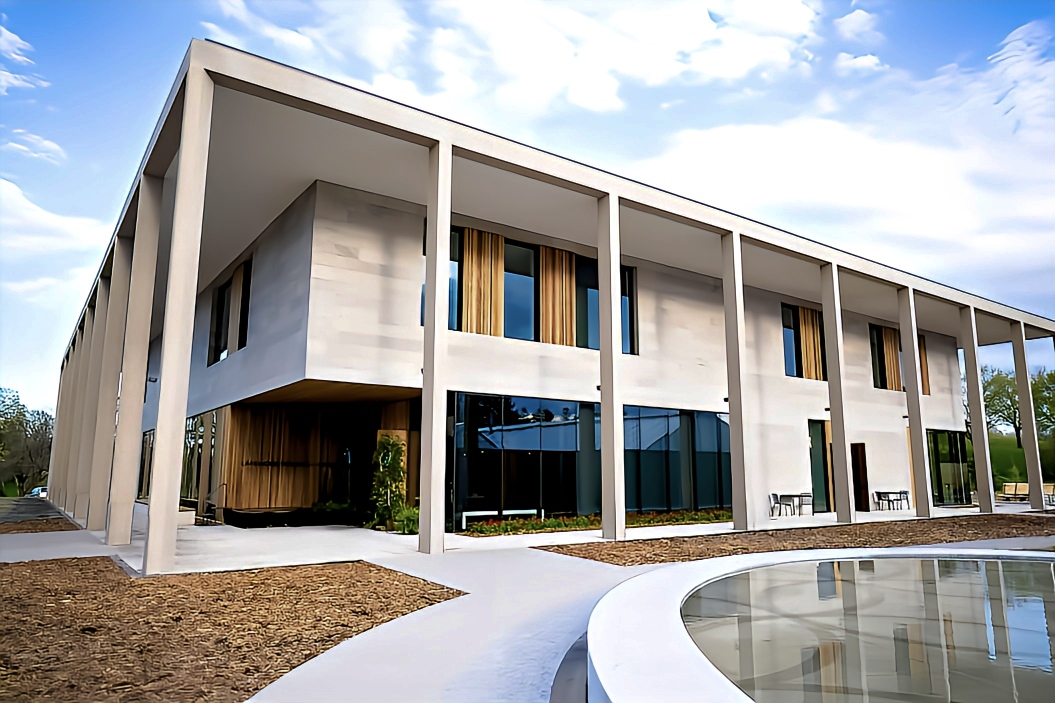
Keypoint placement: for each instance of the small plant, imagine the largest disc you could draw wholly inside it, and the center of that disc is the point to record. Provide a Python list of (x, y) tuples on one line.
[(387, 494), (407, 521)]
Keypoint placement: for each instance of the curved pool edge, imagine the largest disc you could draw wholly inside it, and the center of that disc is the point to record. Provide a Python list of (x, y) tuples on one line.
[(639, 649)]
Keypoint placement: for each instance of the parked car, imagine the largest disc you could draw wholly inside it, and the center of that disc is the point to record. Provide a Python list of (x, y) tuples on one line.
[(39, 492)]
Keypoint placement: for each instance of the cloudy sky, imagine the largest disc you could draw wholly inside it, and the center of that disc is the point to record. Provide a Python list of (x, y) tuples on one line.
[(892, 129)]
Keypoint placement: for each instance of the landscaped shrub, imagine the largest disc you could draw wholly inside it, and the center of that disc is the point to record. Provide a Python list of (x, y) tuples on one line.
[(387, 493), (407, 521), (593, 522)]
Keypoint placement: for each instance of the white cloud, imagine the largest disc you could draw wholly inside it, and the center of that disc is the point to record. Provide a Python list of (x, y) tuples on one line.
[(847, 64), (950, 177), (34, 146), (859, 26), (54, 292), (497, 64), (221, 35), (28, 229), (12, 47)]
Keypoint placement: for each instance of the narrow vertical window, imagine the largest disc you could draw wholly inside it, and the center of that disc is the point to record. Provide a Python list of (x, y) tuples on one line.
[(628, 289), (792, 361), (520, 291), (243, 310), (875, 339), (454, 285), (221, 323), (587, 304)]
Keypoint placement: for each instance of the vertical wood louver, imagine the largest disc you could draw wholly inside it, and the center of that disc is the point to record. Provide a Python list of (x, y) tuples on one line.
[(483, 276), (557, 296), (810, 343)]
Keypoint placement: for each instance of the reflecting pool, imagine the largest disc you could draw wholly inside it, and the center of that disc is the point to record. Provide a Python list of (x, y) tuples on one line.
[(889, 629)]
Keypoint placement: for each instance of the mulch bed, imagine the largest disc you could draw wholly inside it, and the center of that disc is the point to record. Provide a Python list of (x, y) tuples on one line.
[(872, 534), (50, 524), (82, 630)]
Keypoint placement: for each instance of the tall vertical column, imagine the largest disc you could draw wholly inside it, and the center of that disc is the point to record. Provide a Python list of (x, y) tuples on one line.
[(1027, 416), (57, 428), (609, 270), (910, 376), (433, 467), (747, 510), (178, 330), (831, 300), (109, 376), (58, 497), (73, 462), (128, 440), (983, 470), (91, 399)]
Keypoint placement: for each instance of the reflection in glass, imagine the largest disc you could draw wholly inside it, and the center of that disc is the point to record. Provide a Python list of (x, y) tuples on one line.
[(530, 455), (950, 467), (958, 630), (587, 306), (675, 460), (519, 291)]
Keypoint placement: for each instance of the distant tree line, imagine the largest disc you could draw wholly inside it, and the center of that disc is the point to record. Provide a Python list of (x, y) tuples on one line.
[(1001, 401), (25, 443)]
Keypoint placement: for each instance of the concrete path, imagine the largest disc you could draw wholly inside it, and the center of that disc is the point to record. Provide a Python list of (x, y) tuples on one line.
[(502, 642)]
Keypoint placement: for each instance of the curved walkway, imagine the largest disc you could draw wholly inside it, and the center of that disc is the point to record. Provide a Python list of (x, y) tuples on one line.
[(501, 642)]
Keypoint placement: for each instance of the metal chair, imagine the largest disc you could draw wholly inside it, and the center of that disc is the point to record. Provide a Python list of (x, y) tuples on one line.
[(774, 505), (806, 499), (787, 501), (902, 500)]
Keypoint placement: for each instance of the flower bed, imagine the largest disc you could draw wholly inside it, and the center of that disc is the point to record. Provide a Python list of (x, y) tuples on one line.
[(517, 526)]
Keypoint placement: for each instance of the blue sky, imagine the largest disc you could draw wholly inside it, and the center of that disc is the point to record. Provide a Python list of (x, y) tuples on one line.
[(920, 134)]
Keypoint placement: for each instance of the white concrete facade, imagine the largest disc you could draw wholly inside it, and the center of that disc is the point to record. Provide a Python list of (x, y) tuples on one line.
[(333, 193)]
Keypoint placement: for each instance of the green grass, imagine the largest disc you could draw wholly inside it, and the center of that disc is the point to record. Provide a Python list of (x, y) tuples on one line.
[(9, 489), (519, 526), (1009, 461)]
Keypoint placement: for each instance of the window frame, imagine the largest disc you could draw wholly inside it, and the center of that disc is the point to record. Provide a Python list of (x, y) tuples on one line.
[(535, 265), (797, 336)]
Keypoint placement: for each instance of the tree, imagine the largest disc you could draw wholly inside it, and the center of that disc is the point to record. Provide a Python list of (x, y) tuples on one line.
[(1001, 400), (25, 443)]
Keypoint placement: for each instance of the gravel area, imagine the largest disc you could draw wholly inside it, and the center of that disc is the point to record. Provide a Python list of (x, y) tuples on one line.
[(82, 630), (50, 524), (905, 533)]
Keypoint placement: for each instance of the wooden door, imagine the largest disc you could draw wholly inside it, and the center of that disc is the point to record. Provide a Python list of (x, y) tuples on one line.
[(859, 471)]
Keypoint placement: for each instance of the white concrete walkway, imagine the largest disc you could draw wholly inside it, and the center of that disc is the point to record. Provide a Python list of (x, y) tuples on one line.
[(501, 642)]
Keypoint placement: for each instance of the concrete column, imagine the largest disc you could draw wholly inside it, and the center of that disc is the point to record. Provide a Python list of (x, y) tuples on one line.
[(983, 470), (609, 272), (91, 399), (73, 462), (57, 428), (748, 510), (109, 376), (128, 440), (1027, 416), (831, 300), (178, 330), (910, 376), (433, 467), (69, 392)]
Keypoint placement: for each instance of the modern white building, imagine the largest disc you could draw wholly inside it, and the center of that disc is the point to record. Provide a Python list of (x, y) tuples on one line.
[(300, 266)]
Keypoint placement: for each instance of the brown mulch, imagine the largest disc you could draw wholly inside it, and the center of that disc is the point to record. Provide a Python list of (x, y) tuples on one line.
[(82, 630), (50, 524), (905, 533)]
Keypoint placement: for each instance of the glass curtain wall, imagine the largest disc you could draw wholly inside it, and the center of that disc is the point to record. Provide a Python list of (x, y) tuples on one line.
[(676, 459), (523, 457), (950, 466)]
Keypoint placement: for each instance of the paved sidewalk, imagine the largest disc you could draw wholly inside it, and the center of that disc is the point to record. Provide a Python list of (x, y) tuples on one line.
[(501, 642)]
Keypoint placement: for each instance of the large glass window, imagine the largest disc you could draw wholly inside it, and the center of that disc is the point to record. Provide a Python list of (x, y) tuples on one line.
[(588, 306), (520, 292), (519, 457), (230, 300), (675, 460), (951, 468), (221, 323)]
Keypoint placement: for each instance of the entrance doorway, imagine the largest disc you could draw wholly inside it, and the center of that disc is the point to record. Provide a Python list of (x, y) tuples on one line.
[(859, 469), (820, 465)]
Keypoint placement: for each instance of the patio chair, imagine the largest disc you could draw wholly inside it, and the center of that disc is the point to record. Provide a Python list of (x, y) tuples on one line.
[(805, 500), (902, 500), (787, 501), (774, 505), (881, 499)]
